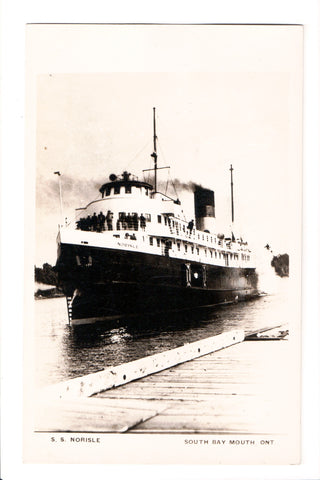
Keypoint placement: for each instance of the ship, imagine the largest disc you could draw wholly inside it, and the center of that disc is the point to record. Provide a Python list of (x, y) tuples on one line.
[(133, 252)]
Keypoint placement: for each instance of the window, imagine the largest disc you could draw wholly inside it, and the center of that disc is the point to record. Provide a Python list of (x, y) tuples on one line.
[(186, 248), (148, 217), (159, 218), (117, 189), (128, 188), (192, 249), (184, 228), (178, 245), (147, 192), (151, 240), (211, 253), (205, 252), (107, 191), (197, 250), (158, 242)]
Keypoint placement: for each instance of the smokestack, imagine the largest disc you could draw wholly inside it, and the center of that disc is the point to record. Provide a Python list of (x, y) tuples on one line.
[(204, 209)]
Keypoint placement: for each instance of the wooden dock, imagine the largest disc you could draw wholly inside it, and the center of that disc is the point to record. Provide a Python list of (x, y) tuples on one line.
[(237, 390)]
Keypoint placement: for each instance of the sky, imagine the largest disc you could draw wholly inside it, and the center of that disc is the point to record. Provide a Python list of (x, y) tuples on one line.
[(222, 96)]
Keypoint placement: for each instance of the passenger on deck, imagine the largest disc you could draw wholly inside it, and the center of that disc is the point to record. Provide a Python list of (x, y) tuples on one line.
[(190, 226), (135, 221), (88, 223), (142, 221), (122, 220), (101, 221), (129, 221), (109, 220), (94, 222)]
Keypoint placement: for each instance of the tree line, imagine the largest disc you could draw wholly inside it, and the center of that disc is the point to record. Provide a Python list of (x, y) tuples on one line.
[(46, 275), (281, 265)]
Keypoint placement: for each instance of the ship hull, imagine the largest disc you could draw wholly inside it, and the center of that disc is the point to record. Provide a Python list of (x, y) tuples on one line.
[(104, 284)]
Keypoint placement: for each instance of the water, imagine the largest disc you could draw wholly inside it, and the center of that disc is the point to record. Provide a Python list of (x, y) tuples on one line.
[(64, 352)]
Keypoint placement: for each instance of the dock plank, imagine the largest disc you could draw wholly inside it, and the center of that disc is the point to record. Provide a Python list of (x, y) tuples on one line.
[(235, 390), (150, 392), (95, 415), (115, 376), (240, 389), (203, 424)]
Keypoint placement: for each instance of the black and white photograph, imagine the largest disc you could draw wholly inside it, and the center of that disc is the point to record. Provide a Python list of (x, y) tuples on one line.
[(164, 311)]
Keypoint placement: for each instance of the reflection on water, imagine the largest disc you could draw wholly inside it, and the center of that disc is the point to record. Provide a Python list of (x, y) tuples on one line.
[(64, 352)]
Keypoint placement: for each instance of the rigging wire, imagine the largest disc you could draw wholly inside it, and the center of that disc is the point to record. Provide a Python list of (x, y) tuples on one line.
[(168, 179), (76, 216), (138, 153), (174, 188), (169, 174), (163, 156), (146, 177)]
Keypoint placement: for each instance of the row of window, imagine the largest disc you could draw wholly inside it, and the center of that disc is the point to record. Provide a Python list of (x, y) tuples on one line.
[(117, 189), (193, 249)]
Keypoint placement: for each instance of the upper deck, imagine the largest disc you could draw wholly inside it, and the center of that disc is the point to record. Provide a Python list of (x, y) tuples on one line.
[(130, 215)]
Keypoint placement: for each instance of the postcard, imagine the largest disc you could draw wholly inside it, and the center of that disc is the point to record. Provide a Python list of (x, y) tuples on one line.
[(163, 292)]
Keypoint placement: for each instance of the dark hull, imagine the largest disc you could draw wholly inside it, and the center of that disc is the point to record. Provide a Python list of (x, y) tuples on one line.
[(109, 283)]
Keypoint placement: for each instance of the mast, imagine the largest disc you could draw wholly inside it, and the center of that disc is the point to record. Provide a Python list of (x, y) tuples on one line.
[(154, 154), (60, 195), (232, 208)]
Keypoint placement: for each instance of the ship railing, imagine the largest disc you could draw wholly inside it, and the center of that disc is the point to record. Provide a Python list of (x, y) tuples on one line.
[(110, 227), (193, 236)]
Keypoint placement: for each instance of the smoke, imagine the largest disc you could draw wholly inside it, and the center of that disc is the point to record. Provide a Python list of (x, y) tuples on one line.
[(75, 192), (189, 186), (78, 192), (177, 185)]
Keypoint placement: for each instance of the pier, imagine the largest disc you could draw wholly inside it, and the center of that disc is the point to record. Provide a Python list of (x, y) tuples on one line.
[(223, 384)]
